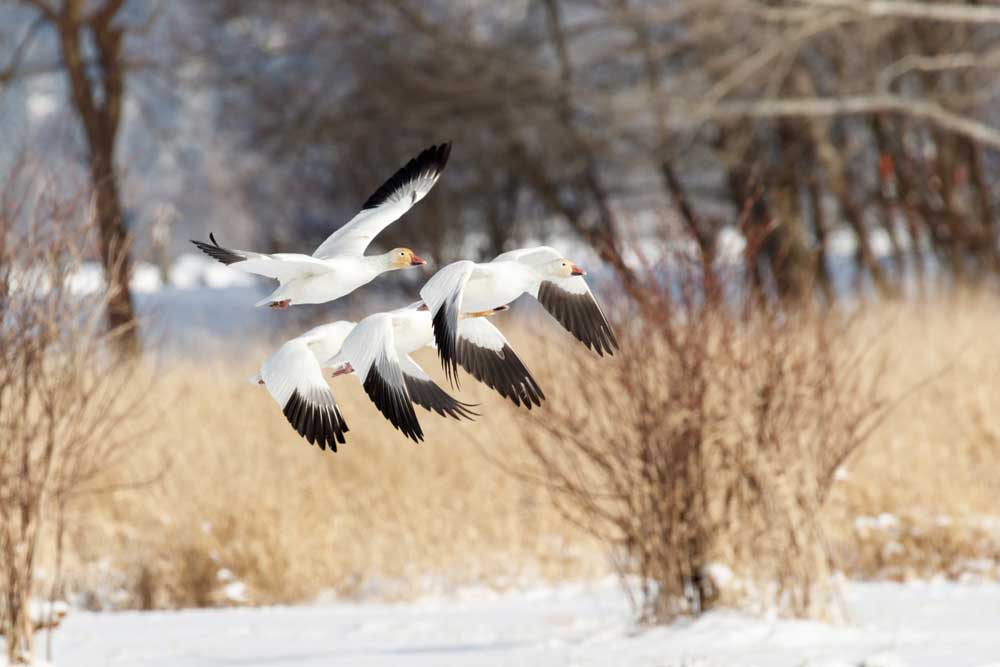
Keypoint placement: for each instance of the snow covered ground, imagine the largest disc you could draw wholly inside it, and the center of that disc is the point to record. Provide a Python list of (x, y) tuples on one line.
[(894, 625)]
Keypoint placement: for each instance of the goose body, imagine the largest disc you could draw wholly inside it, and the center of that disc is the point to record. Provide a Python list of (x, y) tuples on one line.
[(542, 272), (339, 265), (496, 284)]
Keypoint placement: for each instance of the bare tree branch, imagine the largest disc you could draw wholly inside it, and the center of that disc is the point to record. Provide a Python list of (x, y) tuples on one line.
[(44, 7), (931, 11), (845, 106), (14, 66), (939, 63)]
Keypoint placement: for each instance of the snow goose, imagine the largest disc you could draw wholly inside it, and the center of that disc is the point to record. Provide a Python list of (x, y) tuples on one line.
[(294, 378), (291, 371), (376, 350), (377, 353), (339, 266), (556, 282), (486, 355)]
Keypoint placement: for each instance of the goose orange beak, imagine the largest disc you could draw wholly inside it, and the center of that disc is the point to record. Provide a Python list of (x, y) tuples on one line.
[(416, 261), (577, 271)]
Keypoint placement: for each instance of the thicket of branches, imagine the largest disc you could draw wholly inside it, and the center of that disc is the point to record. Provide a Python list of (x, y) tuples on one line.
[(63, 420), (703, 453), (870, 117)]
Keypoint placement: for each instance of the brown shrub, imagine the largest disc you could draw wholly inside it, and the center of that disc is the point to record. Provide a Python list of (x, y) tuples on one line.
[(709, 446), (913, 547), (63, 421)]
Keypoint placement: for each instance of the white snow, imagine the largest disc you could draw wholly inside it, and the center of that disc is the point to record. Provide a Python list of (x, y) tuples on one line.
[(89, 278), (146, 278), (41, 104), (191, 271), (894, 625), (884, 521), (45, 611), (843, 242), (730, 245)]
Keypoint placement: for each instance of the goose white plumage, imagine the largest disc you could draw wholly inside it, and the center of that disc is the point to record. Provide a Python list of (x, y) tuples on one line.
[(339, 265), (294, 378), (377, 351), (556, 282)]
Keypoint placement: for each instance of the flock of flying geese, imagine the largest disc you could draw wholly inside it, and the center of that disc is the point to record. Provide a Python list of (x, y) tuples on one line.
[(450, 316)]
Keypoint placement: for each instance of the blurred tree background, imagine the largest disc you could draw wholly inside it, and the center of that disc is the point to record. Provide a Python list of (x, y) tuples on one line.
[(798, 151), (797, 124), (852, 143)]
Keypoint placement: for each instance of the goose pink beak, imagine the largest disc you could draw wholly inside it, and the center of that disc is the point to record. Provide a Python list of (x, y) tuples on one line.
[(416, 261), (577, 271)]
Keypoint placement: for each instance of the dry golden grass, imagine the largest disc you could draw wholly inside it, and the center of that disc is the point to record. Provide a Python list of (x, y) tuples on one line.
[(236, 489), (935, 462)]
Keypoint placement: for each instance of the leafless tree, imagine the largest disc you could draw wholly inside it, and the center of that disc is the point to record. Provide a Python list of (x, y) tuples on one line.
[(91, 54), (63, 418)]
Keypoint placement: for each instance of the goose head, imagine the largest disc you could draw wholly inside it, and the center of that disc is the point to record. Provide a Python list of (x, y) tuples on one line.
[(402, 258), (562, 268)]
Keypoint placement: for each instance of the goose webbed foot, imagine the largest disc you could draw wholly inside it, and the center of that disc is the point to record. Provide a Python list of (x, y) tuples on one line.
[(343, 370)]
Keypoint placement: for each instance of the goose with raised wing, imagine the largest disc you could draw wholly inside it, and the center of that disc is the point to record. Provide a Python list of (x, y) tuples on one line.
[(376, 350), (556, 282), (339, 266)]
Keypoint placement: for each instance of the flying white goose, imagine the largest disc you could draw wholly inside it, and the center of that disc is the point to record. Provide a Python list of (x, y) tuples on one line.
[(294, 378), (542, 272), (339, 266), (377, 351)]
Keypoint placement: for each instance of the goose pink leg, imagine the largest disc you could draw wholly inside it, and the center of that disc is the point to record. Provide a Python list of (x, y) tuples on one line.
[(343, 370)]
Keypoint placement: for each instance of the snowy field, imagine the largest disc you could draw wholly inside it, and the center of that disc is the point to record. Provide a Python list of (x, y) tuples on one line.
[(941, 624)]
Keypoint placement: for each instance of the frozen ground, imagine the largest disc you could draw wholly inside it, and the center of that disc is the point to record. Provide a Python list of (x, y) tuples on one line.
[(944, 624)]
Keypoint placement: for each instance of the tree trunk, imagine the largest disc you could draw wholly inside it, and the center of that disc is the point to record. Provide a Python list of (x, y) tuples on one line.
[(885, 198), (751, 208), (115, 256), (888, 136), (791, 261), (97, 100), (987, 241), (839, 174), (821, 229)]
